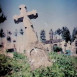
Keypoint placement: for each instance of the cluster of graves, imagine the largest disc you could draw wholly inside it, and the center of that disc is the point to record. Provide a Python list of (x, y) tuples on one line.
[(35, 50), (69, 48), (31, 37)]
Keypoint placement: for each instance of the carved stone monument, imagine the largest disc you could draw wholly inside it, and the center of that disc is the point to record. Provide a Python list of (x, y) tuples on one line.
[(35, 51), (25, 17)]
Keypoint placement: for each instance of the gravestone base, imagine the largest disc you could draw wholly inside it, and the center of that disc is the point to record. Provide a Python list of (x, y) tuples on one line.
[(38, 56)]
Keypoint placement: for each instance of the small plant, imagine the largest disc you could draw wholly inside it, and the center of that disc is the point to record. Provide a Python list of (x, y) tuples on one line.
[(5, 66), (64, 66), (57, 49), (18, 55)]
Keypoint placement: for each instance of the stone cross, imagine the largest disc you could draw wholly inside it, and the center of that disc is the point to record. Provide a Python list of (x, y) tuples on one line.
[(35, 51), (25, 17)]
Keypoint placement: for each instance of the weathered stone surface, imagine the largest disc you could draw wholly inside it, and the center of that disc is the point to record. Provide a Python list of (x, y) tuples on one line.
[(35, 51), (38, 58)]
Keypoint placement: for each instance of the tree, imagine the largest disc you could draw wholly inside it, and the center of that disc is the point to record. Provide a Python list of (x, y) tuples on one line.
[(2, 19), (57, 49), (66, 34), (2, 34), (42, 36), (58, 31), (74, 33), (2, 16)]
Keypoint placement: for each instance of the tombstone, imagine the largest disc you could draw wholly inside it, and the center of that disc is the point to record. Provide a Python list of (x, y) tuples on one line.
[(63, 46), (38, 58), (74, 47), (34, 49), (68, 46)]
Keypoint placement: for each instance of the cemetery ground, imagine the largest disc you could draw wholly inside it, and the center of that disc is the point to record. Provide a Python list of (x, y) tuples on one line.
[(18, 66)]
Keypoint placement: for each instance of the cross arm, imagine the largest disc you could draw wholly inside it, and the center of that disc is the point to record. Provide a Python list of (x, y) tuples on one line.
[(33, 14), (18, 19)]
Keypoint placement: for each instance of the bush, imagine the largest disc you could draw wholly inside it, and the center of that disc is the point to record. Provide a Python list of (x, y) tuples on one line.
[(64, 66), (14, 67), (57, 49), (5, 66), (20, 65), (18, 56)]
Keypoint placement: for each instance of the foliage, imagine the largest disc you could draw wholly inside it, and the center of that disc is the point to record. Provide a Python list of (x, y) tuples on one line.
[(18, 56), (74, 59), (2, 17), (42, 36), (63, 66), (66, 34), (2, 34), (14, 67), (57, 49), (74, 33), (20, 65), (5, 66), (58, 31)]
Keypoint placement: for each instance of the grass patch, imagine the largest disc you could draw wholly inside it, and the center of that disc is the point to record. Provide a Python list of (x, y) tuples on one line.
[(63, 66)]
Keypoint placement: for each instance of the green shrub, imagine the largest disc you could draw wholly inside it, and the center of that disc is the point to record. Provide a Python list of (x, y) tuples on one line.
[(5, 66), (18, 55), (57, 49), (64, 66), (14, 67), (21, 68)]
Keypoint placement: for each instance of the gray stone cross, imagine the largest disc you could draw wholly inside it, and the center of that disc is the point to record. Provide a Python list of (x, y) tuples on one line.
[(25, 17), (24, 14)]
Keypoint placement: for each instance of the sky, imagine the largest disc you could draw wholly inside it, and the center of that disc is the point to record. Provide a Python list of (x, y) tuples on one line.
[(52, 14)]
